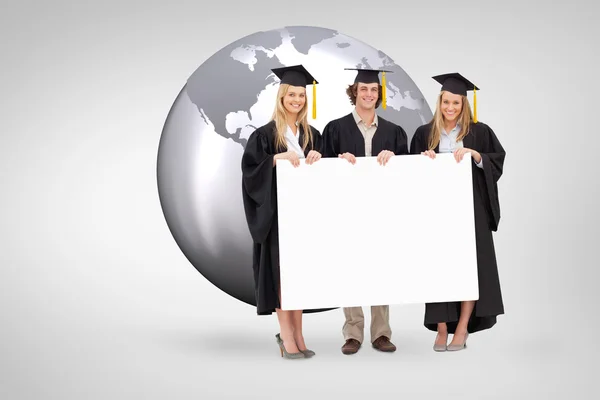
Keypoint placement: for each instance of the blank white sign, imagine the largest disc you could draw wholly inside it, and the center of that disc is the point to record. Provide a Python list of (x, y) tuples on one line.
[(365, 234)]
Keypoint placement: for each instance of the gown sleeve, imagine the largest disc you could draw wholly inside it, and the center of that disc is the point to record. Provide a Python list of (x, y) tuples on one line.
[(318, 142), (401, 141), (492, 154), (258, 181), (418, 143), (331, 140)]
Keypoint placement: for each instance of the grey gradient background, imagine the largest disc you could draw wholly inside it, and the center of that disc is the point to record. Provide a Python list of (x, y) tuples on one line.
[(96, 299)]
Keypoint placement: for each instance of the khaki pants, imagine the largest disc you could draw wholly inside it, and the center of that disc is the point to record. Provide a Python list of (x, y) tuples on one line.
[(354, 326)]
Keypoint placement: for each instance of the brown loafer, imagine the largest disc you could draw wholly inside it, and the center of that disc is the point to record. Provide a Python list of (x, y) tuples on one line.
[(351, 346), (382, 343)]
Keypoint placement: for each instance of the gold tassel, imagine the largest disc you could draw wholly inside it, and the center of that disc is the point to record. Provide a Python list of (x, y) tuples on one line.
[(474, 105), (314, 110), (383, 93)]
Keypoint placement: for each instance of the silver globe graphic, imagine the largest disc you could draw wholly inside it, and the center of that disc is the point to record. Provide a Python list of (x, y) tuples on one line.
[(223, 102)]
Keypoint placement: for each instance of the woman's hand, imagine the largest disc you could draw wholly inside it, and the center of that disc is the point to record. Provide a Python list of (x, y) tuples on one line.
[(312, 157), (460, 153), (291, 156)]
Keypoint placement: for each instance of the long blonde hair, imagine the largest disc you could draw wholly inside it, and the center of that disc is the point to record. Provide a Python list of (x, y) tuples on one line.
[(464, 120), (280, 118)]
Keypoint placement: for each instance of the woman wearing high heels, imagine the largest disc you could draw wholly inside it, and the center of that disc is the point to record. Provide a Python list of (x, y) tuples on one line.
[(288, 136), (455, 130)]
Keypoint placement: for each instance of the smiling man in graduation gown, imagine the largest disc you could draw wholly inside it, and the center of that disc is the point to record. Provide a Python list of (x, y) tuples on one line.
[(362, 133)]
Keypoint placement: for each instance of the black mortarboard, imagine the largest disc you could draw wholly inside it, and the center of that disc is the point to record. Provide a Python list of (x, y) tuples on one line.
[(455, 83), (458, 84), (372, 76), (367, 75), (295, 75)]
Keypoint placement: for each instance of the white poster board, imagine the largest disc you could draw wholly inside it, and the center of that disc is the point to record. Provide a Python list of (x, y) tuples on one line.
[(365, 234)]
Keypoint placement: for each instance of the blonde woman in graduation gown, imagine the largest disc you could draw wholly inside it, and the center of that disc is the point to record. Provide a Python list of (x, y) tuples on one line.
[(288, 136), (454, 129)]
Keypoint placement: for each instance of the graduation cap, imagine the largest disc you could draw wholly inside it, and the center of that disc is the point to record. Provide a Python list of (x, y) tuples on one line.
[(365, 75), (297, 75), (458, 84)]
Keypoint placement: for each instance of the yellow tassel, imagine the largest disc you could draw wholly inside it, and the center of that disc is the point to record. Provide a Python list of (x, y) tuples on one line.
[(314, 113), (383, 93), (474, 105)]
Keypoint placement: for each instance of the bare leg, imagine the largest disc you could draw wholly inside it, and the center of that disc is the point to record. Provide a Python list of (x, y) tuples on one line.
[(287, 330), (466, 308), (297, 324), (442, 335)]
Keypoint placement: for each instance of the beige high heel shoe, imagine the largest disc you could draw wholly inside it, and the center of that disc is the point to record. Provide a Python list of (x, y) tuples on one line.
[(307, 353), (457, 347), (291, 356), (440, 347)]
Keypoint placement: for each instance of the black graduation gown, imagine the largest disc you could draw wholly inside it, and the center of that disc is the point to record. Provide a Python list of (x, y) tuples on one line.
[(342, 135), (259, 191), (487, 217)]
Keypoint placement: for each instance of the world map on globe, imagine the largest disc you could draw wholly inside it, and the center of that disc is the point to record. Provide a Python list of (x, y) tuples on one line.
[(229, 96), (241, 76)]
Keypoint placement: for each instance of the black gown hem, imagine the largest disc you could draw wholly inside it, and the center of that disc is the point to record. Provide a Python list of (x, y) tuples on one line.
[(310, 311), (476, 324)]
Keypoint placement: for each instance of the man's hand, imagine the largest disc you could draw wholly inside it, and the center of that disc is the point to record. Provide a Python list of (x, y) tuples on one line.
[(429, 153), (384, 156), (348, 156)]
